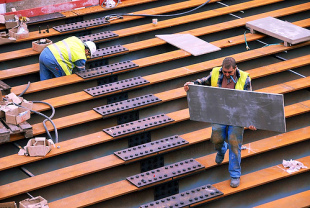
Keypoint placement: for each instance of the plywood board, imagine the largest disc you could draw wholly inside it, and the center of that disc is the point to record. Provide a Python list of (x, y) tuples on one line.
[(236, 107), (282, 30), (189, 43)]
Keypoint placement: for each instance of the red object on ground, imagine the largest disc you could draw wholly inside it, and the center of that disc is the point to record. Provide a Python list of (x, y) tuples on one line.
[(67, 6)]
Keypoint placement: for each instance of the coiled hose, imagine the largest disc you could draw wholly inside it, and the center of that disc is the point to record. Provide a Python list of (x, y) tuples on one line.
[(41, 114)]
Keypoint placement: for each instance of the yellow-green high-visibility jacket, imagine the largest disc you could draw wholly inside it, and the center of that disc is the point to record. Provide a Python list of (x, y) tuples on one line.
[(68, 51), (238, 86)]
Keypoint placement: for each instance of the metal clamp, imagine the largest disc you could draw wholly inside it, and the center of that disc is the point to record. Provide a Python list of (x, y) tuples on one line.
[(108, 51), (138, 125), (166, 172), (107, 35), (116, 86), (186, 198), (150, 148), (108, 69), (126, 104), (81, 25)]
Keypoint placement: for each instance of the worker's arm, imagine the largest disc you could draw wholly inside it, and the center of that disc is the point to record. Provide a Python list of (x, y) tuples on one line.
[(80, 64), (202, 81)]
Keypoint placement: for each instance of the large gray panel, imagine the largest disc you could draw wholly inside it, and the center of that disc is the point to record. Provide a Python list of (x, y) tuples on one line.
[(236, 107)]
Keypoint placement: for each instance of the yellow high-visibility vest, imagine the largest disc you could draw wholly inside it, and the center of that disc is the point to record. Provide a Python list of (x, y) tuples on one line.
[(67, 51), (238, 86)]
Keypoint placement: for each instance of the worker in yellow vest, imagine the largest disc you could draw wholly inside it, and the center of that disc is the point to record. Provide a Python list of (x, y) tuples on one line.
[(59, 59), (226, 136)]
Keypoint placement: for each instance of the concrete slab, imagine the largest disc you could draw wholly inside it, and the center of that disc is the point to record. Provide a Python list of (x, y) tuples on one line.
[(189, 43), (282, 30), (236, 107)]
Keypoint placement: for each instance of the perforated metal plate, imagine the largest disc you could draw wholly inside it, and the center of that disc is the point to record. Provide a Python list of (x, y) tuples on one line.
[(126, 104), (116, 86), (150, 148), (107, 35), (108, 69), (109, 51), (45, 17), (81, 25), (186, 198), (138, 125), (165, 172)]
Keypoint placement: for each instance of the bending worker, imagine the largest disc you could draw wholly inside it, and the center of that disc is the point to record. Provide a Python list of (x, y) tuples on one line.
[(227, 76), (59, 59)]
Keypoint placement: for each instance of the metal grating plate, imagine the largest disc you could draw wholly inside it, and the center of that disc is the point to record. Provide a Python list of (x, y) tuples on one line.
[(108, 69), (81, 25), (282, 30), (107, 35), (109, 51), (150, 148), (126, 104), (186, 198), (138, 125), (228, 107), (116, 86), (45, 17), (166, 172)]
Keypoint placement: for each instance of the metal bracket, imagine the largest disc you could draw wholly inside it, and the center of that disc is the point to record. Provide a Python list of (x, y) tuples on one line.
[(138, 139), (128, 117), (108, 69), (107, 35), (166, 172), (151, 148), (186, 198), (116, 86), (81, 25), (111, 50), (127, 104), (166, 189), (152, 163), (138, 125)]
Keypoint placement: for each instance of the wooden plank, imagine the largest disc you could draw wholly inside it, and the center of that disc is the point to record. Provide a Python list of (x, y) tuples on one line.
[(19, 71), (163, 24), (98, 8), (168, 75), (100, 137), (249, 181), (258, 178), (35, 34), (61, 81), (110, 161), (294, 201)]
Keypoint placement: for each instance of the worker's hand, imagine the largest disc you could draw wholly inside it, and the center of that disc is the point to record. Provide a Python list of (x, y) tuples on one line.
[(186, 87), (253, 128)]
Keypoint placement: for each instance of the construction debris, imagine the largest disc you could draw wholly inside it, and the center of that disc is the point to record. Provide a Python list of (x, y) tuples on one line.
[(293, 165), (37, 147), (38, 202)]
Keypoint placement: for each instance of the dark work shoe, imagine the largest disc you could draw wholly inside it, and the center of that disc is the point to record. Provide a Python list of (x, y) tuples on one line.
[(234, 182), (219, 158)]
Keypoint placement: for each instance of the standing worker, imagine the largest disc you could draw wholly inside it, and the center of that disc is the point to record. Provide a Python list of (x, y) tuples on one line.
[(59, 59), (227, 76)]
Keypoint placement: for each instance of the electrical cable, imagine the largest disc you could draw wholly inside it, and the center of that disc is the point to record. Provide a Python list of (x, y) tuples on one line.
[(116, 16), (41, 114)]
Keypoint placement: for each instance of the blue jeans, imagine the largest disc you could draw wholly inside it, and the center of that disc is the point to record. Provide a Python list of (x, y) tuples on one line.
[(234, 136), (49, 67)]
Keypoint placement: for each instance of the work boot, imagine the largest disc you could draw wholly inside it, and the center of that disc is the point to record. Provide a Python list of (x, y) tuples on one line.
[(234, 182), (219, 158)]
